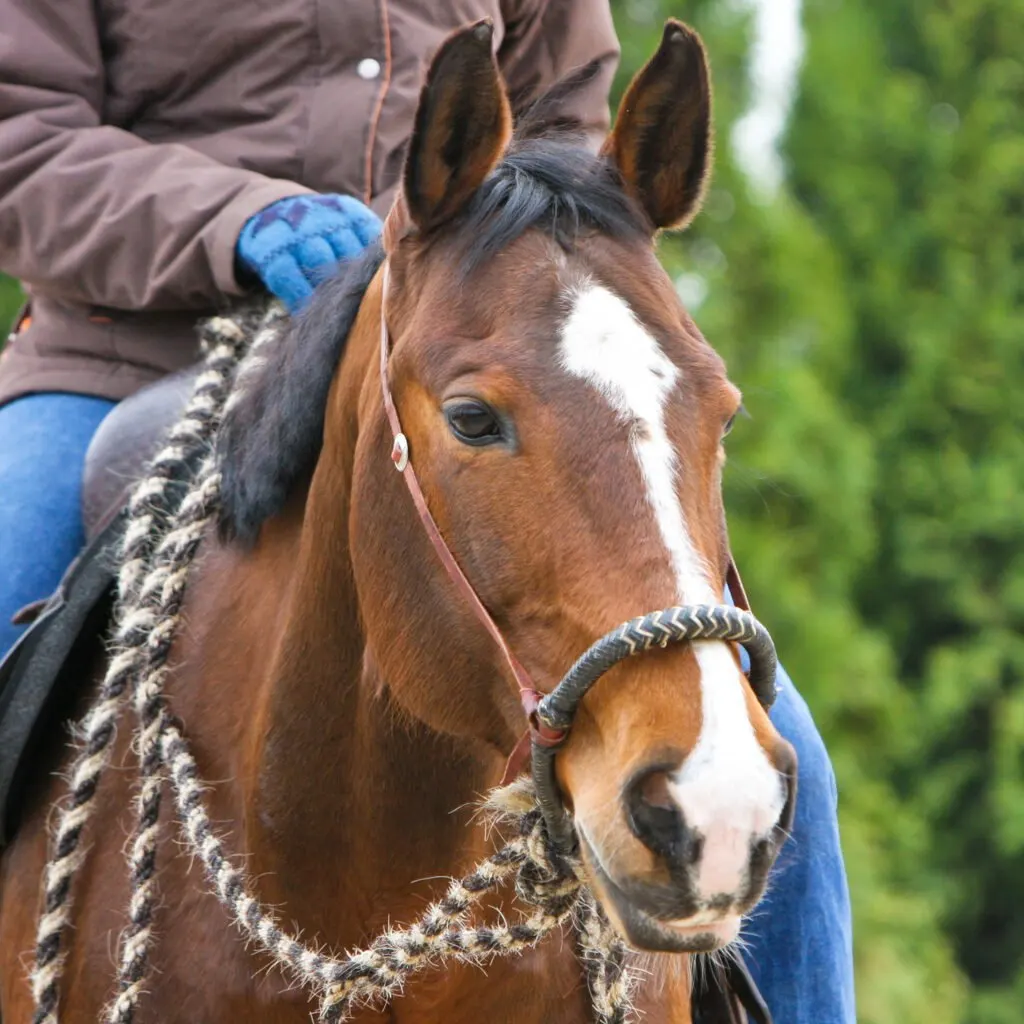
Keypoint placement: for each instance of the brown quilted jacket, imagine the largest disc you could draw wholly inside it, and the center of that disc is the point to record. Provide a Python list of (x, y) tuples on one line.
[(137, 137)]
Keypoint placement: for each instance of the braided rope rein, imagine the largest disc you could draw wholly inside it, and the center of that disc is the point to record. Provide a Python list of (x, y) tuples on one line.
[(158, 549), (147, 512), (163, 591)]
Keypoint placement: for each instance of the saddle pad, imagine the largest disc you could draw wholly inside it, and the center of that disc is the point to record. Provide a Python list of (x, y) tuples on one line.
[(39, 675)]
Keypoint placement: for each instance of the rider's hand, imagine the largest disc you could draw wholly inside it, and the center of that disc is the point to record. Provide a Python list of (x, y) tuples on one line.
[(294, 244)]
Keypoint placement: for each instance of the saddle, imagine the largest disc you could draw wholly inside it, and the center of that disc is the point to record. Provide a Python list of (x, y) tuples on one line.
[(38, 676)]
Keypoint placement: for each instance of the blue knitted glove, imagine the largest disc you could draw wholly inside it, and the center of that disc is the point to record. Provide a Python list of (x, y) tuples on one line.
[(295, 243)]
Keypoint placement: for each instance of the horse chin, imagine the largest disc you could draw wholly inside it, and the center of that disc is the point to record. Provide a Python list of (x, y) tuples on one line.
[(703, 932)]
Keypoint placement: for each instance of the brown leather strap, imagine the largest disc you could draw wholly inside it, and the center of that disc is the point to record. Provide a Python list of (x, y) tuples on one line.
[(520, 756), (736, 588), (528, 693)]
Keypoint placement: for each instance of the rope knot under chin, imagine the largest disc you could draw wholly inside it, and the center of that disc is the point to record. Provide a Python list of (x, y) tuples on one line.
[(547, 876)]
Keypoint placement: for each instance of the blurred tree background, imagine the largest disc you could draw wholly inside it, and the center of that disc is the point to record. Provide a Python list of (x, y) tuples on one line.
[(10, 302), (872, 309)]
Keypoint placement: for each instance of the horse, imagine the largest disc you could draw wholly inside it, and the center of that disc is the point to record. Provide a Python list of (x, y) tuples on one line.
[(566, 419)]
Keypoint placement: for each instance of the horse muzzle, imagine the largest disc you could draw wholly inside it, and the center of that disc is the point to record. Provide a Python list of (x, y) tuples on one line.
[(708, 832)]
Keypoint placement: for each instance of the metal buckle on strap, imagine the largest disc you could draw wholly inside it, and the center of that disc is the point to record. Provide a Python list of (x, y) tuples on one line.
[(400, 452)]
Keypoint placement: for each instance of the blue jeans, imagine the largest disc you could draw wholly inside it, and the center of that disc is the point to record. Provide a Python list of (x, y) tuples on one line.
[(43, 440), (799, 938)]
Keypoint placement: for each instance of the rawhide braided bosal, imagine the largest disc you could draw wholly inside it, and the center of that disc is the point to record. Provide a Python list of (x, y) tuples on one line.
[(159, 545), (164, 527), (557, 710)]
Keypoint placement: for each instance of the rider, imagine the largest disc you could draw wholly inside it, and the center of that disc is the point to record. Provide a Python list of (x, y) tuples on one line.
[(157, 160)]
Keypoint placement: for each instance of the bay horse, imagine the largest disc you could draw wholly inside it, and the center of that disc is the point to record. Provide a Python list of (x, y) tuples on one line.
[(566, 419)]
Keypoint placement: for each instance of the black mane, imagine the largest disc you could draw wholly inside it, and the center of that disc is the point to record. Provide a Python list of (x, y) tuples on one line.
[(271, 438), (555, 185)]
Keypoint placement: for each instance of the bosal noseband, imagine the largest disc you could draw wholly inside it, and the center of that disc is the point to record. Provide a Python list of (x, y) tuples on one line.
[(550, 717)]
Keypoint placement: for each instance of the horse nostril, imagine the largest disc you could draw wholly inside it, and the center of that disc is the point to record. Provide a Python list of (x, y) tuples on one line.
[(656, 820)]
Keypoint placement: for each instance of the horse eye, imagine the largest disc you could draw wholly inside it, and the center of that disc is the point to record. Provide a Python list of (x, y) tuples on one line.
[(473, 423), (741, 411)]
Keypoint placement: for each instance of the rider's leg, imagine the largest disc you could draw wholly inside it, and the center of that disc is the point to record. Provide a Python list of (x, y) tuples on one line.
[(800, 938), (43, 440)]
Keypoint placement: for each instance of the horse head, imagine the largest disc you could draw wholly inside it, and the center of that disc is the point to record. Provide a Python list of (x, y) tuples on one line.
[(566, 421)]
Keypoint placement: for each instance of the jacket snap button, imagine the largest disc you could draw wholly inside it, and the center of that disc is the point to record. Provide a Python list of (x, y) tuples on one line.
[(368, 68)]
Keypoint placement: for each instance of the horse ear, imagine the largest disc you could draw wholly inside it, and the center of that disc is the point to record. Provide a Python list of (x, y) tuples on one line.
[(463, 125), (661, 143)]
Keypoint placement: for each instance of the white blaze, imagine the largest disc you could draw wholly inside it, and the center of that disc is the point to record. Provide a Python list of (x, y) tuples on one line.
[(727, 788)]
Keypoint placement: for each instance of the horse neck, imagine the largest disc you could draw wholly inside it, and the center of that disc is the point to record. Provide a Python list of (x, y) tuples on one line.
[(338, 775)]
